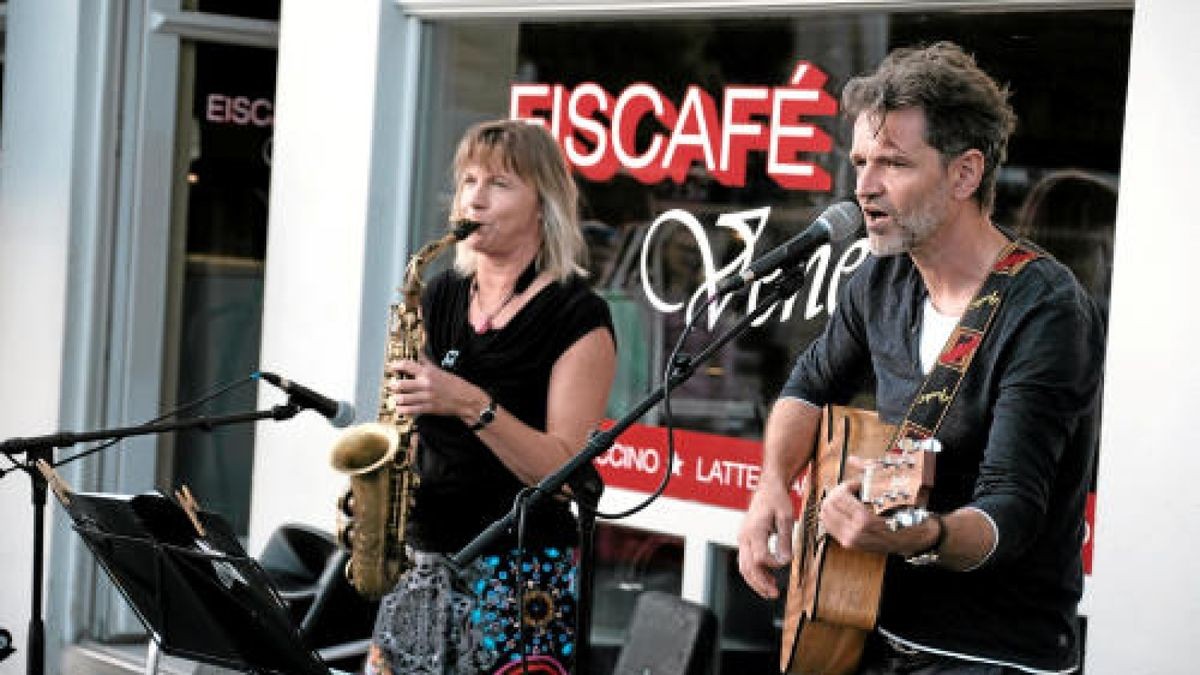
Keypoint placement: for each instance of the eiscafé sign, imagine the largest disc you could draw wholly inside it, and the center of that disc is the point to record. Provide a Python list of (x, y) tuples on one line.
[(597, 129), (708, 468)]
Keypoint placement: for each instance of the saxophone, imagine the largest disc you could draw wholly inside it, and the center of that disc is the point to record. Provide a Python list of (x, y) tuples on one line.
[(380, 457)]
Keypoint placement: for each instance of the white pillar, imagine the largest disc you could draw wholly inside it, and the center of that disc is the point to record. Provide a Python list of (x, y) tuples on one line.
[(1145, 598), (36, 201), (331, 227)]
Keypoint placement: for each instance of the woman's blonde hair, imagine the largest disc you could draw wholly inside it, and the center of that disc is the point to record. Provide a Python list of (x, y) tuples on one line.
[(530, 152)]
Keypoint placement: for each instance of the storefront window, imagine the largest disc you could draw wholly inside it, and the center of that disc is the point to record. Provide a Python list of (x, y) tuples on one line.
[(749, 626), (658, 237), (628, 562), (3, 49), (225, 132), (730, 143), (256, 9)]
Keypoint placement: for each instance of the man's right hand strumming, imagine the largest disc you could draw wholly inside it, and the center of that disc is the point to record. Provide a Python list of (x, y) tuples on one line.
[(765, 539)]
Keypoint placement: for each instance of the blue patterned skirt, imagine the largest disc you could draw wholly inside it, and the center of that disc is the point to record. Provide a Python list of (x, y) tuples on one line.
[(444, 621)]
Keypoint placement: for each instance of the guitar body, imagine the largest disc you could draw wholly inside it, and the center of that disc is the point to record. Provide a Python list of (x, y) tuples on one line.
[(833, 594)]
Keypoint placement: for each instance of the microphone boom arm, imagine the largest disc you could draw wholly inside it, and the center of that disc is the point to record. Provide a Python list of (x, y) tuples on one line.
[(37, 448), (65, 439), (789, 282)]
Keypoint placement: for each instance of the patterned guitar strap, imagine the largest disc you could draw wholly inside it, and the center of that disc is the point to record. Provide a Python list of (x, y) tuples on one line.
[(928, 408)]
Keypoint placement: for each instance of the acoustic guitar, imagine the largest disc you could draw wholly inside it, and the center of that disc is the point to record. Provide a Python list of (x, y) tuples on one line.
[(833, 593)]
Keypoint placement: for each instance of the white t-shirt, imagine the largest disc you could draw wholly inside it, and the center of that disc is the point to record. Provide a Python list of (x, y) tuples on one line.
[(935, 330)]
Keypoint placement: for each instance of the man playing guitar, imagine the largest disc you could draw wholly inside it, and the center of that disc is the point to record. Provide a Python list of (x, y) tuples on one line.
[(990, 581)]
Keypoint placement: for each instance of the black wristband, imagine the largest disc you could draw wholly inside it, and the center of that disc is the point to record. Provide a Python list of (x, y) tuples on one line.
[(486, 416)]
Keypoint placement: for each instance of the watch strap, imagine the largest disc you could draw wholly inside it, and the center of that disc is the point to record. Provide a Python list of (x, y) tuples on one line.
[(932, 553), (486, 416)]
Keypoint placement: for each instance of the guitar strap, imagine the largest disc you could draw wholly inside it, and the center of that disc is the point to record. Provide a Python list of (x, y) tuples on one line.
[(928, 408)]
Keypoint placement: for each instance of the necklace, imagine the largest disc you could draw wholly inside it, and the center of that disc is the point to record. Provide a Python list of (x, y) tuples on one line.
[(523, 283), (486, 325)]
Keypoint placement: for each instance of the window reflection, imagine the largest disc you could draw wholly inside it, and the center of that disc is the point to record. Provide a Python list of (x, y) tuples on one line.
[(1071, 213), (3, 48), (227, 122), (627, 562), (1052, 61), (749, 626), (256, 9)]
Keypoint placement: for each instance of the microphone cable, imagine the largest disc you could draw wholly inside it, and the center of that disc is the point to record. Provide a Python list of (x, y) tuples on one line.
[(220, 390), (673, 360)]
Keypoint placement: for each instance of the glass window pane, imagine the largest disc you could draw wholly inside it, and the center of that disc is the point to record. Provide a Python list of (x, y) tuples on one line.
[(660, 219), (3, 47), (1067, 71), (252, 9), (749, 626), (225, 133), (628, 562)]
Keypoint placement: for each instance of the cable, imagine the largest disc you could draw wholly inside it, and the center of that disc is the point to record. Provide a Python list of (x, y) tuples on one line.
[(220, 391), (673, 365), (519, 576)]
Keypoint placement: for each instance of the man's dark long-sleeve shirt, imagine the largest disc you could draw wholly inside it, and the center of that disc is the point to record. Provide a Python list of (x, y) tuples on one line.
[(1018, 444)]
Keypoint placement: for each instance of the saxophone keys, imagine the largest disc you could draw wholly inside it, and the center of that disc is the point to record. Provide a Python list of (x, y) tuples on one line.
[(345, 503)]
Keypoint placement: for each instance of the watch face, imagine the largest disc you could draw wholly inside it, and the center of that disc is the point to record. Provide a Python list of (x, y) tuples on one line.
[(486, 416)]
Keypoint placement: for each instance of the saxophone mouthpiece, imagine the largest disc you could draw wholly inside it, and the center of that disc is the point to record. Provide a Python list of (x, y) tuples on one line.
[(463, 228)]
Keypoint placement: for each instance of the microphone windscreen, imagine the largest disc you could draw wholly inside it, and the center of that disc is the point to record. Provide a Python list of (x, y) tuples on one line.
[(344, 416), (843, 220)]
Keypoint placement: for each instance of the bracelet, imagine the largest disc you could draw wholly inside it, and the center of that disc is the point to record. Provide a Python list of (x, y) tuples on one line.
[(486, 416), (931, 554)]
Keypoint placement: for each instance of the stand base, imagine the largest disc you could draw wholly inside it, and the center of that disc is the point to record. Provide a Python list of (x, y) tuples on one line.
[(152, 658), (91, 658)]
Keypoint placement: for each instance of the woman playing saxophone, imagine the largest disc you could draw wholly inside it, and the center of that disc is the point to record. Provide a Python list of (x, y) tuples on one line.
[(519, 359)]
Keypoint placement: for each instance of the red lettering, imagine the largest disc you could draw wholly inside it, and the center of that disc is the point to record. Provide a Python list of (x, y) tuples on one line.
[(631, 107), (258, 116), (601, 133), (598, 164), (691, 139), (239, 110), (740, 133), (216, 109), (790, 136), (525, 101)]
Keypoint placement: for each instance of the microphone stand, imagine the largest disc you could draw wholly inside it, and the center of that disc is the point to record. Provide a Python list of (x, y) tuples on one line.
[(42, 448), (788, 283)]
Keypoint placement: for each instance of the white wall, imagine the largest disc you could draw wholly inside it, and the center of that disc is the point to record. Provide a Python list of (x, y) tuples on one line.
[(321, 208), (1145, 596), (35, 223)]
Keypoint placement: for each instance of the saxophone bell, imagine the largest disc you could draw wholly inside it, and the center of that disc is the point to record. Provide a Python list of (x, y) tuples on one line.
[(365, 448)]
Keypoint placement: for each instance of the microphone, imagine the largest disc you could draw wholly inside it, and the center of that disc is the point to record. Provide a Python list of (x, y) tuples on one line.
[(834, 224), (339, 413)]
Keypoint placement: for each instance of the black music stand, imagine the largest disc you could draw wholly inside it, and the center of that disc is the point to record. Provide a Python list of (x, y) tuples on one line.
[(189, 581)]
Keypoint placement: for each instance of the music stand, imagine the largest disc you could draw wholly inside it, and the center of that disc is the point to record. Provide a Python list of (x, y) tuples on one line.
[(188, 580)]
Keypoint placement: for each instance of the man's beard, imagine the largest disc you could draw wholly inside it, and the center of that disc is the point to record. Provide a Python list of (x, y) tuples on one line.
[(913, 228)]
